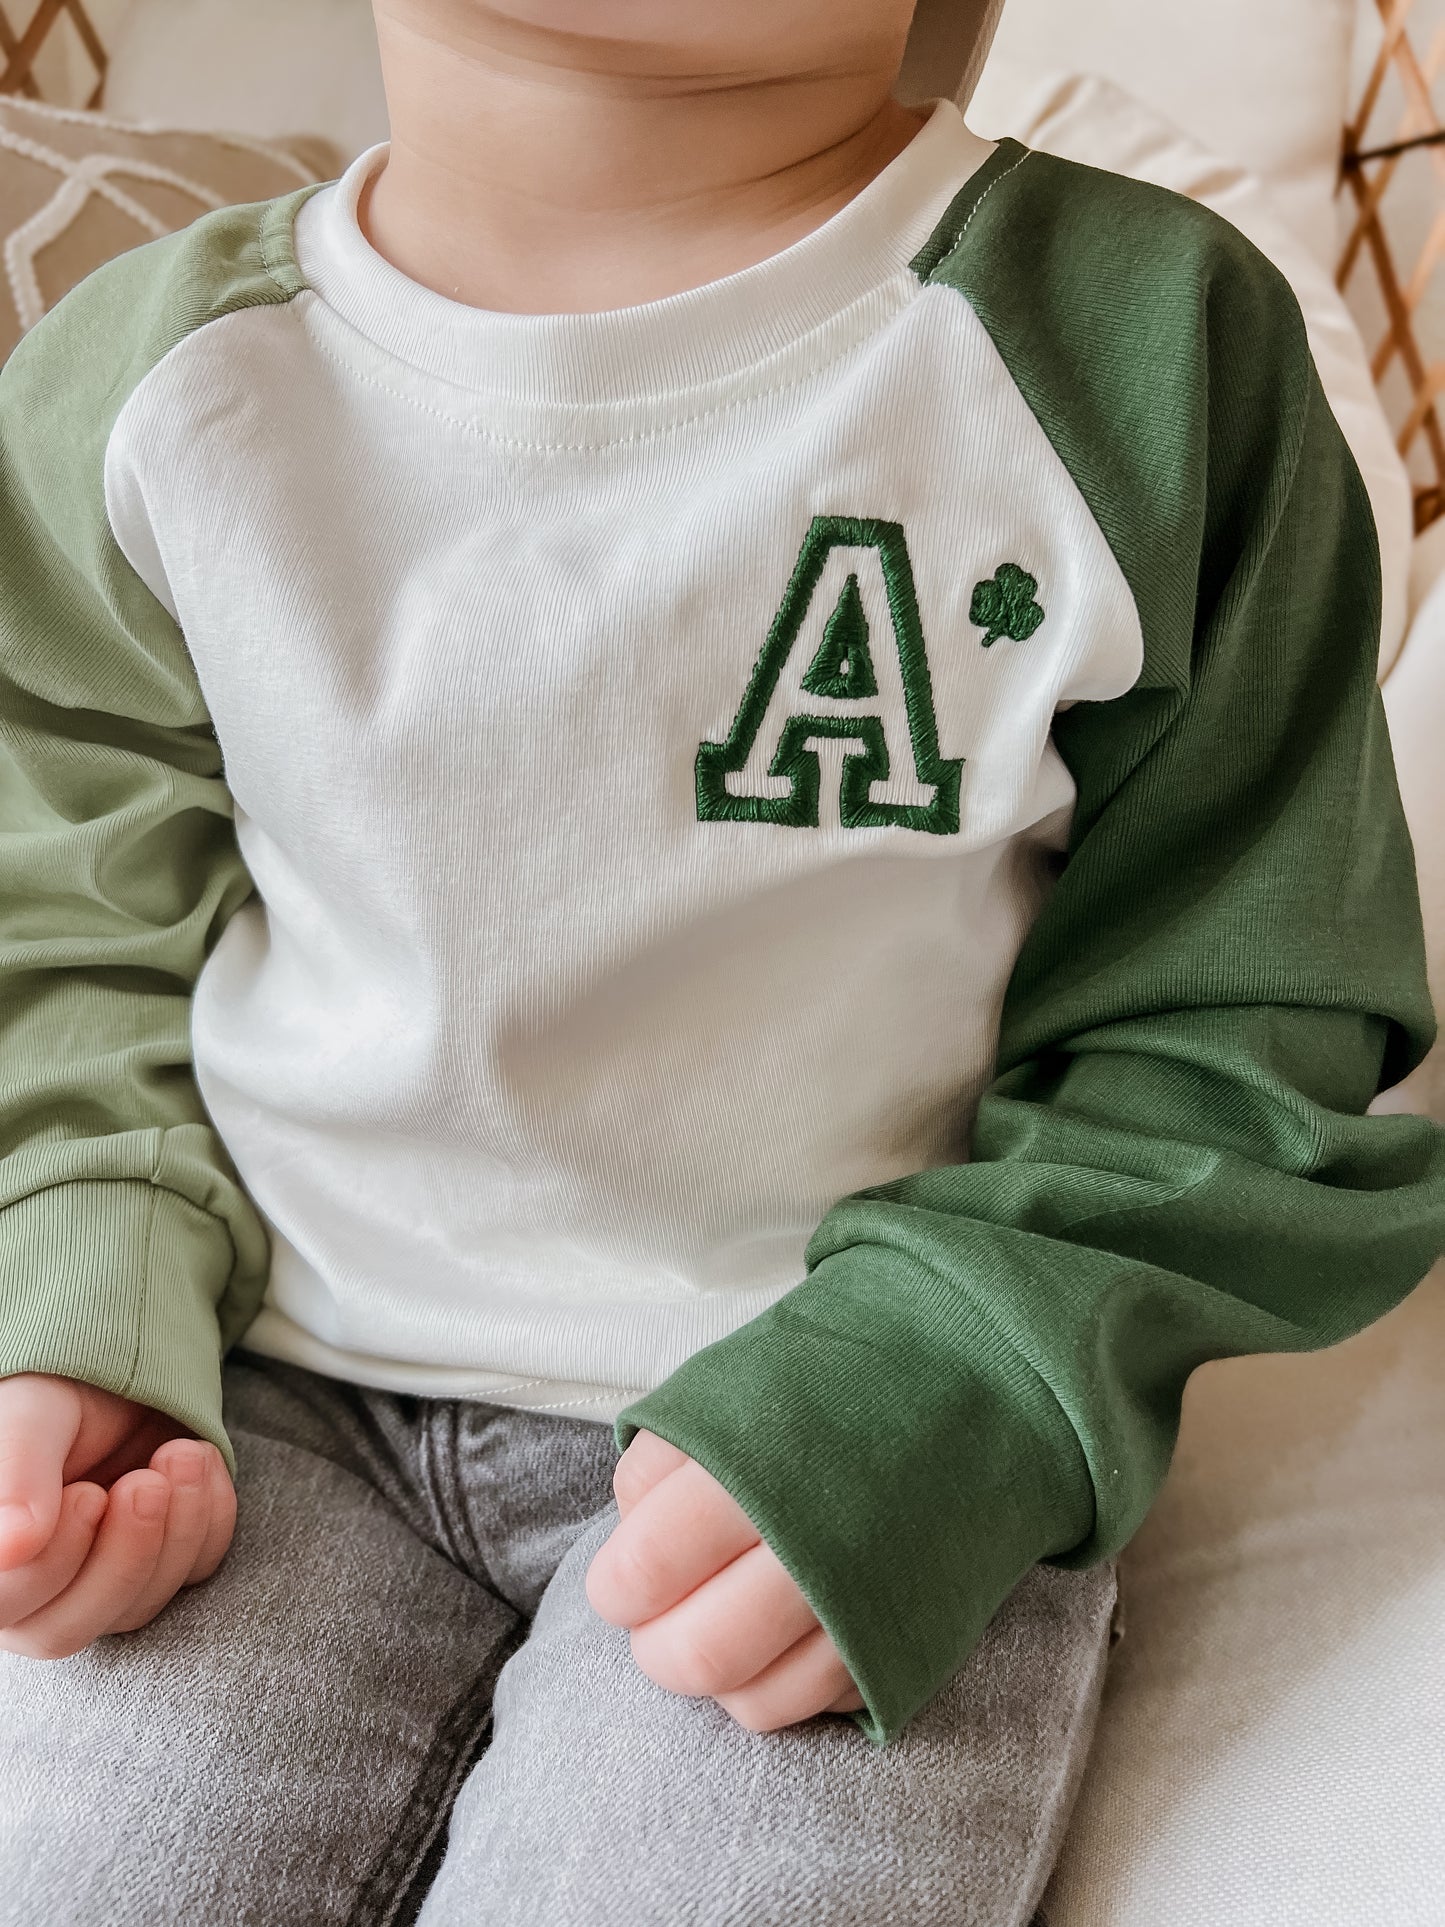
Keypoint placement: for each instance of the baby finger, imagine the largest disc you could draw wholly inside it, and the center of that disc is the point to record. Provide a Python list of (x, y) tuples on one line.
[(119, 1564), (804, 1680), (33, 1585), (221, 1521), (184, 1464)]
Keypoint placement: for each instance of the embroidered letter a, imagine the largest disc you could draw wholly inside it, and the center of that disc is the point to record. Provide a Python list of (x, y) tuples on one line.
[(842, 669)]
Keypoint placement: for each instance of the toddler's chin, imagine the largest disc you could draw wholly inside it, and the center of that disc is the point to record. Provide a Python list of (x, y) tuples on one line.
[(698, 37)]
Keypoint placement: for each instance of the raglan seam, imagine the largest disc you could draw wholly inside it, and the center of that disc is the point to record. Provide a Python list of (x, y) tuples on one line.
[(934, 277), (1067, 467), (153, 1181), (931, 279), (925, 277), (997, 181), (263, 247), (283, 299), (1182, 693), (299, 196)]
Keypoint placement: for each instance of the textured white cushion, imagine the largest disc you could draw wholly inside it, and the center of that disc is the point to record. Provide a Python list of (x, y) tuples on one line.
[(1415, 705), (269, 68), (1261, 82), (1087, 119), (1269, 1753)]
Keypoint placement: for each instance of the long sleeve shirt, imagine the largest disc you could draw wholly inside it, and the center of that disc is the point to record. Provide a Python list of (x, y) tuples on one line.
[(813, 865)]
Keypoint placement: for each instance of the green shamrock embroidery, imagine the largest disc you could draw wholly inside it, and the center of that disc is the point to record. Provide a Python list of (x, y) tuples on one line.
[(1005, 606)]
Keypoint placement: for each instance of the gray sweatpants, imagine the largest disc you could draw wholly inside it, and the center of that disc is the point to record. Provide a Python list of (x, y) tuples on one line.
[(393, 1702)]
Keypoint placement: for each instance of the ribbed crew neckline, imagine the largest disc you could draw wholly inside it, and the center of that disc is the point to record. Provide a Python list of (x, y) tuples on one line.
[(682, 342)]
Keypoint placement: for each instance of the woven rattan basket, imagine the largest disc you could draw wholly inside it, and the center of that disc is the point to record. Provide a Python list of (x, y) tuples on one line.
[(1392, 187)]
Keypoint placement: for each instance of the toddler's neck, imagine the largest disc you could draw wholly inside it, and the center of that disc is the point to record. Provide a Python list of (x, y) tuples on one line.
[(537, 174)]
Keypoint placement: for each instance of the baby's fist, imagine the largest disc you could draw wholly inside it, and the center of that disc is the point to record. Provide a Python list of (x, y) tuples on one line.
[(711, 1608), (107, 1508)]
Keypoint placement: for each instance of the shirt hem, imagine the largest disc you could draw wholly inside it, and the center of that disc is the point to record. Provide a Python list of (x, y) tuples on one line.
[(272, 1335)]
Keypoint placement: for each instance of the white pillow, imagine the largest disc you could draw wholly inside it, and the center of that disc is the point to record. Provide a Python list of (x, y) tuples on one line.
[(269, 68), (1415, 705), (1083, 118), (1261, 82), (1269, 1752)]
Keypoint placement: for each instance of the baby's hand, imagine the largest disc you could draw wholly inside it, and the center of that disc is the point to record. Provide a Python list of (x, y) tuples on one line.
[(75, 1560), (712, 1609)]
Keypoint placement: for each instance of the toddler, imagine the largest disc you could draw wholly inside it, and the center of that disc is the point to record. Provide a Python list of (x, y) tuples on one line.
[(691, 770)]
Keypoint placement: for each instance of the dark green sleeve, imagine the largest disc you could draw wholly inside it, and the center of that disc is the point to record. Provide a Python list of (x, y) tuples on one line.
[(129, 1254), (984, 1364)]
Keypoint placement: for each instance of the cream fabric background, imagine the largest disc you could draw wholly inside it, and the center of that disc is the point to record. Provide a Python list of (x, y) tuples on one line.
[(264, 67), (1269, 1753), (1262, 82)]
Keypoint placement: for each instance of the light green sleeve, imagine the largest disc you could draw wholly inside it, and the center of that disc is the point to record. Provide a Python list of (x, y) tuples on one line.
[(129, 1255), (984, 1364)]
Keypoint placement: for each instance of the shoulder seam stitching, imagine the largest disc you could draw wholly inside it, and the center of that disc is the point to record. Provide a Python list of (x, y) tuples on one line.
[(262, 242), (957, 239), (997, 181), (287, 293), (286, 296)]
